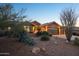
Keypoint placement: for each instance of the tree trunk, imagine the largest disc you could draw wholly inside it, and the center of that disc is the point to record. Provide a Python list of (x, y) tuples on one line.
[(68, 33)]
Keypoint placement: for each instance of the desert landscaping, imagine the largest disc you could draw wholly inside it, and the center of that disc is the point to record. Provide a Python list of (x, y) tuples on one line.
[(54, 47)]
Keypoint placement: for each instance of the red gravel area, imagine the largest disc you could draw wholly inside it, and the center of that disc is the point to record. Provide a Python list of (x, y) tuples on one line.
[(54, 47)]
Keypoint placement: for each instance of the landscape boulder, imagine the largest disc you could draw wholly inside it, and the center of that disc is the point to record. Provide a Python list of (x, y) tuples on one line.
[(37, 50)]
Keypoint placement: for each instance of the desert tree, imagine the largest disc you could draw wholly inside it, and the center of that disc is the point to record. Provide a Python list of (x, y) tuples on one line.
[(9, 15), (68, 19), (10, 18)]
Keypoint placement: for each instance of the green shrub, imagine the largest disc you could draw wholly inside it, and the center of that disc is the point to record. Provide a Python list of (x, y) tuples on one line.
[(24, 37), (46, 33), (15, 34), (76, 41), (43, 33), (45, 38), (9, 33), (1, 33), (38, 33)]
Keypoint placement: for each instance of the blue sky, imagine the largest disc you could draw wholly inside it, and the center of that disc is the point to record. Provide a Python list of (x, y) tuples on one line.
[(45, 12)]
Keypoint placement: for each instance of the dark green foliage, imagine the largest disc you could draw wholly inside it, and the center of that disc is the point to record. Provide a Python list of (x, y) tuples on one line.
[(43, 33), (38, 33), (76, 41), (24, 37), (45, 38), (2, 33), (46, 33), (6, 33), (11, 18)]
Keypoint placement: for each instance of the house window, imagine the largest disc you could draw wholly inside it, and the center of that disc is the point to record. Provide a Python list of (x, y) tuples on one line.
[(27, 28)]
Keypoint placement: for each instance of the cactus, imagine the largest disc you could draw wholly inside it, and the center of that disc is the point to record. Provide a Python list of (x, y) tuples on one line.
[(24, 37)]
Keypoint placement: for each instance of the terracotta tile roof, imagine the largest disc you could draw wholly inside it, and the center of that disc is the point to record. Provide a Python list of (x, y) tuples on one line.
[(35, 23), (51, 23)]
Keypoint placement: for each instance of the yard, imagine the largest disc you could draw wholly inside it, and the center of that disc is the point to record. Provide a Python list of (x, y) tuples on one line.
[(56, 46)]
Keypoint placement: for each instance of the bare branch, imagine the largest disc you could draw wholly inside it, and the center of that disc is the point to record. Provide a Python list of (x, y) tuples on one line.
[(68, 18)]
